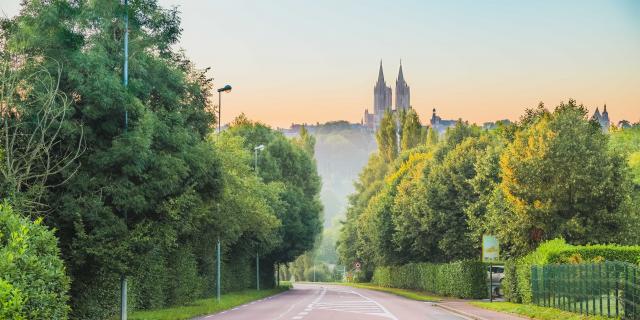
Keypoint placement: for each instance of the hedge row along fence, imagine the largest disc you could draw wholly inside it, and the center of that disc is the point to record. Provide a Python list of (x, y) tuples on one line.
[(463, 279), (517, 279)]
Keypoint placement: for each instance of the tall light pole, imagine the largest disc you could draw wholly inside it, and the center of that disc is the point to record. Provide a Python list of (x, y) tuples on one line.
[(226, 88), (125, 82), (255, 168), (218, 282), (255, 158)]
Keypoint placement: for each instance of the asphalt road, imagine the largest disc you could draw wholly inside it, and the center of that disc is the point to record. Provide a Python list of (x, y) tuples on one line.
[(334, 302)]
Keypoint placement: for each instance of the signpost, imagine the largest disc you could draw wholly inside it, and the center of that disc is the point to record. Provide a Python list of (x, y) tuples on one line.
[(490, 254)]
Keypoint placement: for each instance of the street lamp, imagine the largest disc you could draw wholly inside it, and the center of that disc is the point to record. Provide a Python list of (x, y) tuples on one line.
[(255, 151), (255, 168), (226, 88)]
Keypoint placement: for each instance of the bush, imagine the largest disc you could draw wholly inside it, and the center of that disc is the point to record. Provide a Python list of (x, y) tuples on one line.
[(11, 302), (463, 279), (322, 273), (509, 283), (33, 283)]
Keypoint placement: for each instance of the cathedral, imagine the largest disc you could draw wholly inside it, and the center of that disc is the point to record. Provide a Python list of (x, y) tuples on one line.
[(602, 118), (382, 98)]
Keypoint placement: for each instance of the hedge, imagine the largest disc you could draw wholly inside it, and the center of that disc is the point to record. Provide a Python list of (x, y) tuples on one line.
[(517, 280), (463, 279)]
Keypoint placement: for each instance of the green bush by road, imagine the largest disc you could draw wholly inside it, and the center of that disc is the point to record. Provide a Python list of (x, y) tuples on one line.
[(33, 283), (463, 279)]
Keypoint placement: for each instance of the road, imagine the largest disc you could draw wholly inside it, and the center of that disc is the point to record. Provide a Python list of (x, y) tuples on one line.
[(334, 302)]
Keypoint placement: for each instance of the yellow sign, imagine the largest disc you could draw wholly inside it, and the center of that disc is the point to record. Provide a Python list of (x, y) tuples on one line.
[(490, 249)]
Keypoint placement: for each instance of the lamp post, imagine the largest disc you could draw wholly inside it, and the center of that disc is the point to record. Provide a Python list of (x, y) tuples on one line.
[(255, 168), (255, 158), (218, 281), (125, 82), (226, 88)]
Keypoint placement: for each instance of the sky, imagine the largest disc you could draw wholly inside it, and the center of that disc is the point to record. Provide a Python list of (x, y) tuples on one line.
[(304, 61)]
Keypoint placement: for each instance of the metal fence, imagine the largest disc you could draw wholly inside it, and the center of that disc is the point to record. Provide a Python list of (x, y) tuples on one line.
[(607, 289)]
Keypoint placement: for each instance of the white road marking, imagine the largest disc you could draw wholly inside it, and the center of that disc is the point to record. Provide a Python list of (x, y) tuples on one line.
[(353, 302)]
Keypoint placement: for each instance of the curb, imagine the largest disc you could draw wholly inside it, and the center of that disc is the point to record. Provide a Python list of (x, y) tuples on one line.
[(472, 316), (462, 313)]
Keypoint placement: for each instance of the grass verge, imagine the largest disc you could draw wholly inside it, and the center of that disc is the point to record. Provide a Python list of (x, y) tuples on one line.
[(206, 306), (411, 294), (535, 312)]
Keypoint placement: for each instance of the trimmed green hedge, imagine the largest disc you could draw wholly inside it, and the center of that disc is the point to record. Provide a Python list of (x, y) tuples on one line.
[(463, 279), (517, 280)]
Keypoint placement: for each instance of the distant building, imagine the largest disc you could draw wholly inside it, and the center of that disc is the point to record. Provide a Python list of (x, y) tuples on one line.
[(382, 99), (602, 118), (624, 124), (440, 125)]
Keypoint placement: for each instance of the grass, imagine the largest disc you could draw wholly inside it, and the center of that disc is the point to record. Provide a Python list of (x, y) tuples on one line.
[(411, 294), (206, 306), (535, 312)]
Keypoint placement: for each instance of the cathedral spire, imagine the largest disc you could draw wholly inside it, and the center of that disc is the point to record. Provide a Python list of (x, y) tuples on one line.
[(380, 74), (400, 75)]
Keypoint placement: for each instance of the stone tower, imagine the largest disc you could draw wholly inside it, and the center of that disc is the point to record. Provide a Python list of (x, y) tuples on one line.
[(381, 97), (403, 92)]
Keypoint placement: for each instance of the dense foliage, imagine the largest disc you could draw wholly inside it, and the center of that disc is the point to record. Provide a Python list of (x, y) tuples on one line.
[(462, 279), (153, 188), (552, 174), (33, 283)]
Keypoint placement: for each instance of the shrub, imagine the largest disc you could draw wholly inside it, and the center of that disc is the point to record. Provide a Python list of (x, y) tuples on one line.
[(463, 279), (11, 302), (33, 283), (510, 283)]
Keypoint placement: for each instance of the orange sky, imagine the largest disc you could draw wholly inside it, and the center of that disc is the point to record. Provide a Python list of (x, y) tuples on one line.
[(315, 61)]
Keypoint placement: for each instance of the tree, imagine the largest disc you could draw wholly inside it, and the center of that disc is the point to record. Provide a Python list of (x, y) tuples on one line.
[(33, 115), (432, 137), (412, 132), (140, 190), (387, 137), (290, 163), (561, 181)]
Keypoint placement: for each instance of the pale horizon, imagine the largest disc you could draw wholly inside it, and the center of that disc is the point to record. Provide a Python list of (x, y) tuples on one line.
[(308, 62)]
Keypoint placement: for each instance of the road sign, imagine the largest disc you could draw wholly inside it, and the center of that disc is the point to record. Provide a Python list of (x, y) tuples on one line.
[(490, 249), (357, 265)]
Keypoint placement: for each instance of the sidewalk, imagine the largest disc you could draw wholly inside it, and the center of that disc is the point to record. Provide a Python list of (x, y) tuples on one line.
[(465, 309)]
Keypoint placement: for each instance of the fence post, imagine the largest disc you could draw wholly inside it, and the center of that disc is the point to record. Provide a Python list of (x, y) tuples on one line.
[(585, 291), (552, 286), (573, 289), (606, 271), (634, 285), (593, 287), (534, 285), (580, 286), (600, 285), (617, 290)]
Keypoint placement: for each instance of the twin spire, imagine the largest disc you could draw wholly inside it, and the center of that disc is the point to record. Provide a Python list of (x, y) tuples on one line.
[(381, 74)]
